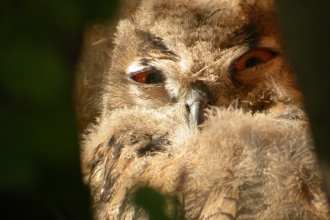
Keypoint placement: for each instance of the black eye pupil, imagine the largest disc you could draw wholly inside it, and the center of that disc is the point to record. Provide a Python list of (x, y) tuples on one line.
[(153, 78), (252, 62)]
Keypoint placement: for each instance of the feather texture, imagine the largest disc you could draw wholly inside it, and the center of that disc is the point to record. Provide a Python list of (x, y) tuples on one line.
[(239, 166), (219, 126)]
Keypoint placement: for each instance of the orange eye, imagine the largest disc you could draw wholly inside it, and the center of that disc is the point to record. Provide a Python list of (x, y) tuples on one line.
[(253, 58), (148, 77)]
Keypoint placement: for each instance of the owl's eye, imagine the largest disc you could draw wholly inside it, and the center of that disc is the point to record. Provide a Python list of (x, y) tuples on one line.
[(253, 58), (148, 77)]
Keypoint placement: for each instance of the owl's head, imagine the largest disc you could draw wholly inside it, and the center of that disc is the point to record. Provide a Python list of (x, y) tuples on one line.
[(190, 55), (196, 54)]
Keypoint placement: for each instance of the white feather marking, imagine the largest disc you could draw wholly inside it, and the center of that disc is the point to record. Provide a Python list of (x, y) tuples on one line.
[(134, 67)]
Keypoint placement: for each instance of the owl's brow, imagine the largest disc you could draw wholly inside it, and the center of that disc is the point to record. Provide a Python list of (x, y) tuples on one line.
[(251, 36), (157, 42), (206, 67), (210, 15)]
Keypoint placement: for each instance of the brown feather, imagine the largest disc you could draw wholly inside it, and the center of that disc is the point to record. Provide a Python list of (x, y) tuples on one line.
[(251, 158)]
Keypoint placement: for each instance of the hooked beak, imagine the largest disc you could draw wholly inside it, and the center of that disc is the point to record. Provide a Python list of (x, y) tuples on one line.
[(197, 101)]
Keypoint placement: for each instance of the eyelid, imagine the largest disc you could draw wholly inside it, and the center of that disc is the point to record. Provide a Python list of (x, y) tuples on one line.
[(147, 76), (265, 55), (147, 69)]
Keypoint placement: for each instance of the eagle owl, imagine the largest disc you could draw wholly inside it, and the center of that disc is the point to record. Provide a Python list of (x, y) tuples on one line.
[(195, 99)]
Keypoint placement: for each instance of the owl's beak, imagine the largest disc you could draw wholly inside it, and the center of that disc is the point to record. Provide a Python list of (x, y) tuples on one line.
[(197, 101)]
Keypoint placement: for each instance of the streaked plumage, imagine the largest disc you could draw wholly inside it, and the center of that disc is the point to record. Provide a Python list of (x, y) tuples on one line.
[(228, 141)]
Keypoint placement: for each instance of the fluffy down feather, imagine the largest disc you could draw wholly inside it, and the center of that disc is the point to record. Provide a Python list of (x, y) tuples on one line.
[(249, 157), (238, 166)]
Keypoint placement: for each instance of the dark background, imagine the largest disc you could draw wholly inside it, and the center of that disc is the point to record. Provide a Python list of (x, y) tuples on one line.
[(39, 157), (306, 30), (39, 42)]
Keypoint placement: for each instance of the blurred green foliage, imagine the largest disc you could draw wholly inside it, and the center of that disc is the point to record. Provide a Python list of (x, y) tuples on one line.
[(156, 204), (39, 158)]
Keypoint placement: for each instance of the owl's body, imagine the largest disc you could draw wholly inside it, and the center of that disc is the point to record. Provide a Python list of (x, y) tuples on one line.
[(238, 167), (142, 103)]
